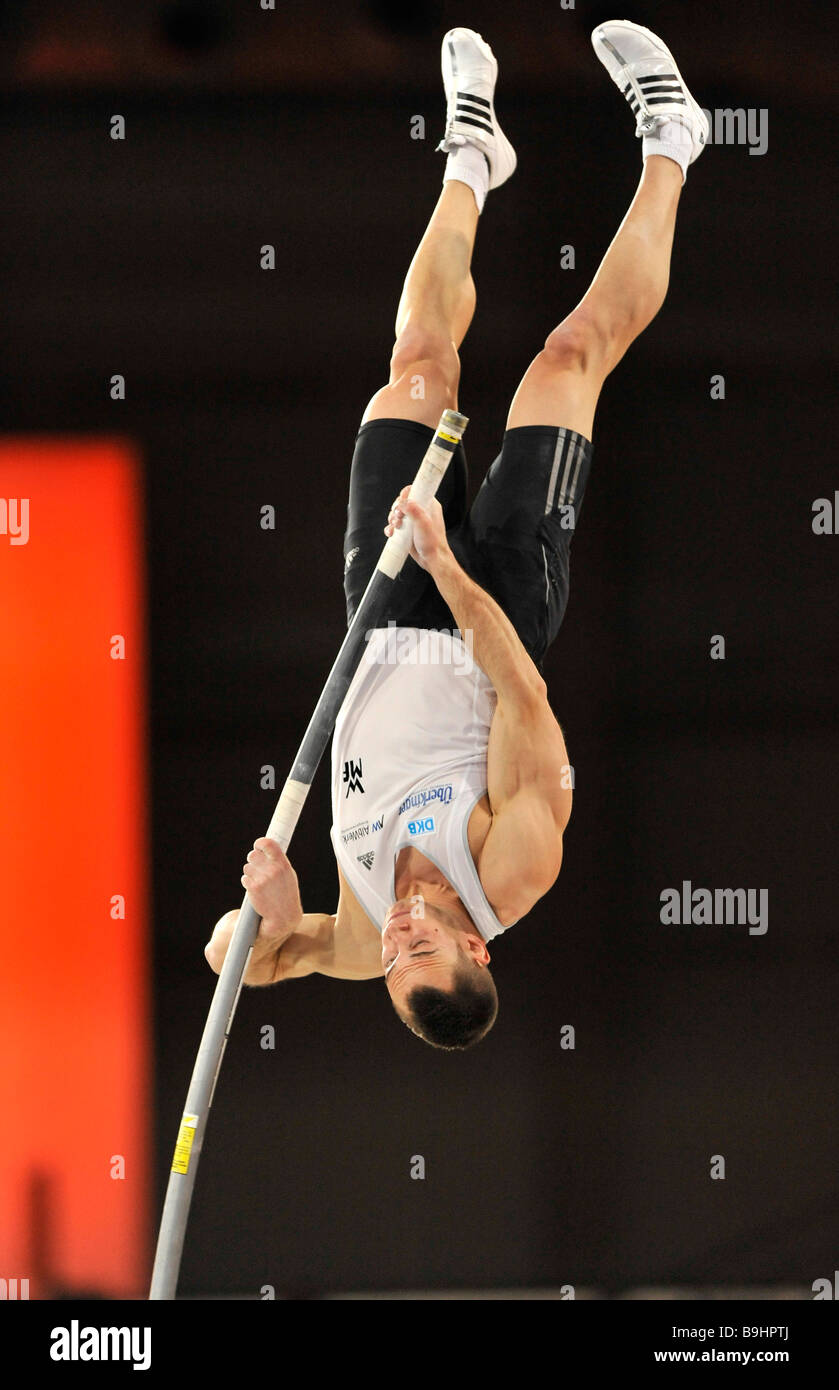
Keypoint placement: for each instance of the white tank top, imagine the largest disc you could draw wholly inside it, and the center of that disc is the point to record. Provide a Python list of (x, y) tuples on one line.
[(409, 763)]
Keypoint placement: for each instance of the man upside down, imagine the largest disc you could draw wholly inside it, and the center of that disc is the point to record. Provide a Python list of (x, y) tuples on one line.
[(450, 777)]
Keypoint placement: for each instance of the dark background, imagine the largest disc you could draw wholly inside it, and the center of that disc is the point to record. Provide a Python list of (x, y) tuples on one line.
[(245, 387)]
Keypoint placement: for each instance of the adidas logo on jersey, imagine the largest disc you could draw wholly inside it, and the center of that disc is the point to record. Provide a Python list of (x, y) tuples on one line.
[(367, 859)]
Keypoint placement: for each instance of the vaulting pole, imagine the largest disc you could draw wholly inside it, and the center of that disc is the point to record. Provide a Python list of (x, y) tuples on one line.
[(199, 1098)]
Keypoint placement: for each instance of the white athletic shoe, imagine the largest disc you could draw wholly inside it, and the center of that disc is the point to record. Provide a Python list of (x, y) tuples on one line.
[(470, 71), (642, 67)]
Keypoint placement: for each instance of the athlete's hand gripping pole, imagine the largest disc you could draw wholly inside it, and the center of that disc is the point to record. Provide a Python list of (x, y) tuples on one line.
[(228, 987)]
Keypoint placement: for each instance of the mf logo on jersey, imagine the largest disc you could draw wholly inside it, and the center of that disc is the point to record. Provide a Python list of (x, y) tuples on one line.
[(420, 827), (377, 824), (352, 776)]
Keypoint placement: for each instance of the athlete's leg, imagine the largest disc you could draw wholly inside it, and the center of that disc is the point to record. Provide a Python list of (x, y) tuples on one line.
[(563, 382), (433, 315), (523, 519), (435, 310), (438, 297)]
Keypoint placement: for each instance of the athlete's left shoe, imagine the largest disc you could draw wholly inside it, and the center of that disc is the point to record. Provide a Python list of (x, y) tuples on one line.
[(470, 72), (644, 70)]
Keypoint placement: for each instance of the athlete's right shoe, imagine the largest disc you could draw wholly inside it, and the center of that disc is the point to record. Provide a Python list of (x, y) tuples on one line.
[(470, 71), (643, 69)]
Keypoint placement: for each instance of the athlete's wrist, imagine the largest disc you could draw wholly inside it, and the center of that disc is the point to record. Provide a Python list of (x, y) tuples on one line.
[(275, 931), (443, 566), (311, 946)]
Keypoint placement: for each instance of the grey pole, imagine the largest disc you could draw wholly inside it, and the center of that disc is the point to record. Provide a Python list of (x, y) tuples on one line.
[(229, 985)]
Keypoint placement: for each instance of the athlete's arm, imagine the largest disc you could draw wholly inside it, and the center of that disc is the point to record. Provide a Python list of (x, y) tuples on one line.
[(277, 954), (350, 948), (495, 643), (290, 943), (527, 763)]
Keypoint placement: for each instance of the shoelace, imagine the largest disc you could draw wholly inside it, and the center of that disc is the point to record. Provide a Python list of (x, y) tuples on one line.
[(658, 88)]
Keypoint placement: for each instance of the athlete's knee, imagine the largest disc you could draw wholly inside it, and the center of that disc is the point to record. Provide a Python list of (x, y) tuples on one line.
[(430, 357), (579, 344), (425, 380)]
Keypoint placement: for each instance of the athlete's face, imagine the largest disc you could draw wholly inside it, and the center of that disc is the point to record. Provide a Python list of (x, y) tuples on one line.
[(420, 950)]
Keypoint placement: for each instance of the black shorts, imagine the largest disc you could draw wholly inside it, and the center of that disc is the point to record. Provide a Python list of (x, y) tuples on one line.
[(514, 541)]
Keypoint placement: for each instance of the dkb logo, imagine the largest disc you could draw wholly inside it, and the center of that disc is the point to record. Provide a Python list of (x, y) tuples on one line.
[(419, 827)]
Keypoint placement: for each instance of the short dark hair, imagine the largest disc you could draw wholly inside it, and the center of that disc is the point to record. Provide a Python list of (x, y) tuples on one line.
[(456, 1018)]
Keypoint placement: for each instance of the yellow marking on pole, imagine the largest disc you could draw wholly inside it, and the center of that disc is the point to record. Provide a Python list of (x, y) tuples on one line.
[(183, 1148)]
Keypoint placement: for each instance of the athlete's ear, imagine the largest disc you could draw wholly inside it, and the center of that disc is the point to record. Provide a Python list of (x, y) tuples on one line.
[(477, 949)]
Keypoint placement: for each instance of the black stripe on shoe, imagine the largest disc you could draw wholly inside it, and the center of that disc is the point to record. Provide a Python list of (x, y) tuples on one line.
[(654, 86), (668, 100), (662, 87), (658, 77), (470, 120), (469, 96), (465, 104)]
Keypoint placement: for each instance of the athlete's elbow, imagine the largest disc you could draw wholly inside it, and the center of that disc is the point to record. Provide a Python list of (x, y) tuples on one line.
[(525, 693), (541, 884)]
